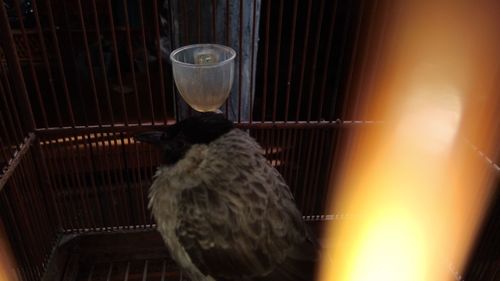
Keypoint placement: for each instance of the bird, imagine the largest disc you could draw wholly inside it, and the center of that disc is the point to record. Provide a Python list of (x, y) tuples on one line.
[(223, 211)]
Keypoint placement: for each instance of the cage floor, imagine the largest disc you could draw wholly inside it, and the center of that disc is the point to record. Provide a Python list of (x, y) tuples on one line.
[(113, 256), (124, 256)]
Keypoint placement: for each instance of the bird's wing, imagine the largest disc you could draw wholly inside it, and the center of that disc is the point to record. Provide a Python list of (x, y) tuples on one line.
[(240, 221)]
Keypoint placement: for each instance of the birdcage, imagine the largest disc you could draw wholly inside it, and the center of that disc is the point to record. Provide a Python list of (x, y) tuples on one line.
[(79, 78)]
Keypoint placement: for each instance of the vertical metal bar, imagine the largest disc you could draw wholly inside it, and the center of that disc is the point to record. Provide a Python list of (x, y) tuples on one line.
[(146, 63), (131, 60), (127, 271), (48, 69), (283, 146), (340, 64), (290, 59), (198, 10), (362, 71), (33, 209), (7, 135), (127, 171), (214, 13), (268, 143), (117, 61), (226, 30), (163, 270), (89, 62), (304, 60), (91, 165), (240, 74), (12, 59), (308, 165), (275, 148), (56, 182), (252, 48), (60, 62), (185, 21), (5, 157), (61, 167), (9, 118), (266, 61), (227, 35), (70, 180), (288, 148), (336, 156), (331, 161), (298, 160), (111, 178), (76, 187), (119, 174), (22, 219), (145, 271), (78, 144), (173, 44), (316, 187), (11, 104), (160, 61), (378, 52), (327, 60), (315, 59), (41, 208), (105, 165), (103, 66), (277, 65), (290, 158), (31, 65), (48, 180), (139, 174), (109, 144), (354, 55), (110, 271), (76, 75)]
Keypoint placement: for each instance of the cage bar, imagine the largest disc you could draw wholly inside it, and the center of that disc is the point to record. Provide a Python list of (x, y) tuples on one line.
[(72, 103)]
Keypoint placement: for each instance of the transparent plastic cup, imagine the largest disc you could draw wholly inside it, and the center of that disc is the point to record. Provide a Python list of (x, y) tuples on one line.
[(203, 74)]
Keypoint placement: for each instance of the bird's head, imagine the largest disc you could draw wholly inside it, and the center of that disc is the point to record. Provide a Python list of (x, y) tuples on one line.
[(178, 138)]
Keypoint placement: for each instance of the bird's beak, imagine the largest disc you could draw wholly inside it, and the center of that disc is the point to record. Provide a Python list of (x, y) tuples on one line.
[(153, 137)]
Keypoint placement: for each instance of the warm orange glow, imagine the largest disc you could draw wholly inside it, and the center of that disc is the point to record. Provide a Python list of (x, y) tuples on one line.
[(7, 268), (417, 192)]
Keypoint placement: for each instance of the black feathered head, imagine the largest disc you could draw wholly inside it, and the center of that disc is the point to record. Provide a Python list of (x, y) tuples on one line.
[(176, 139)]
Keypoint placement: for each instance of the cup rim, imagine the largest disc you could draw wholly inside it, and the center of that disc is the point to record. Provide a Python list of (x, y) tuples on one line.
[(178, 50)]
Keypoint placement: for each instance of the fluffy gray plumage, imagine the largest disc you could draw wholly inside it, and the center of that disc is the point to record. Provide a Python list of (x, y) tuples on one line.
[(226, 214)]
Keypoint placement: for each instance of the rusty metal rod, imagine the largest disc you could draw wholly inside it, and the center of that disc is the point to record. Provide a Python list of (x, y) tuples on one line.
[(117, 61), (103, 66), (12, 58), (47, 64), (160, 62), (266, 62), (146, 62), (252, 56), (31, 65), (277, 62), (60, 64), (290, 59), (90, 65), (327, 61), (304, 61), (319, 26)]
